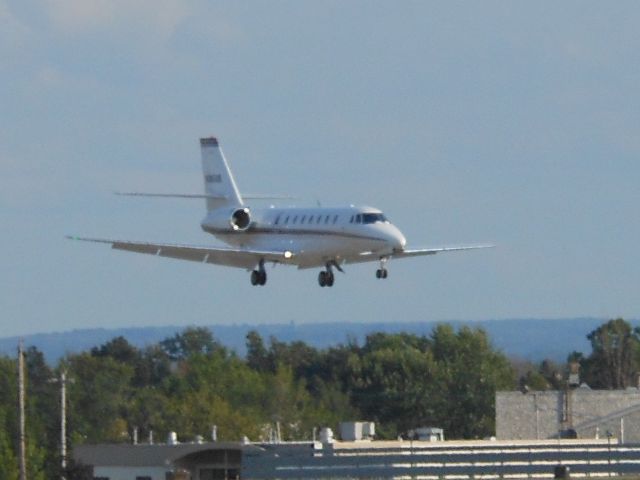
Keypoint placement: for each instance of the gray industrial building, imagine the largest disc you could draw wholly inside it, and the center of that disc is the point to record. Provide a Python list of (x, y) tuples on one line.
[(366, 459), (575, 412)]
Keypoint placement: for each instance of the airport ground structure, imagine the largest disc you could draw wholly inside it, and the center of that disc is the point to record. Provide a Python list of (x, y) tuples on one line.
[(362, 459), (579, 412)]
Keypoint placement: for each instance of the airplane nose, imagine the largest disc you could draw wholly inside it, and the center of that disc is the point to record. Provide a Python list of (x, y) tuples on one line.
[(397, 239)]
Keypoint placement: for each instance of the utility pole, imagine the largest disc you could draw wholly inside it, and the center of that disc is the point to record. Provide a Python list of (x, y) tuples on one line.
[(23, 462), (63, 380)]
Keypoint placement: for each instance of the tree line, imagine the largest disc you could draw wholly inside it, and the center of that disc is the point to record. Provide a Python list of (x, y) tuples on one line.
[(190, 382)]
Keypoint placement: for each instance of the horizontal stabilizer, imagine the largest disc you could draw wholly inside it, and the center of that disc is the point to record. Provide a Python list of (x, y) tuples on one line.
[(168, 195), (200, 196)]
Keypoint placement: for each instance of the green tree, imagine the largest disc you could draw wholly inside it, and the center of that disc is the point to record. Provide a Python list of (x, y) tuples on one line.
[(393, 380), (99, 398), (119, 349), (613, 362), (191, 341), (258, 357), (8, 461), (470, 371)]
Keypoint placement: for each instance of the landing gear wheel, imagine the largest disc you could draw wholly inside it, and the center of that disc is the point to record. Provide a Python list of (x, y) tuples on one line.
[(258, 277), (326, 277), (381, 273)]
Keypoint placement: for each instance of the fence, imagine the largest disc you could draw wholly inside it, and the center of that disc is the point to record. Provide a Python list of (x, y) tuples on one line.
[(446, 460)]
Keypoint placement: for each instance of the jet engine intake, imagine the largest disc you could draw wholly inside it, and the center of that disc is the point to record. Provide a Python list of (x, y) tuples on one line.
[(237, 219), (240, 219)]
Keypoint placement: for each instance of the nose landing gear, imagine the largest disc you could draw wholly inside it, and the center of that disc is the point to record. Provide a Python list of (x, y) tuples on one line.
[(259, 277), (382, 272)]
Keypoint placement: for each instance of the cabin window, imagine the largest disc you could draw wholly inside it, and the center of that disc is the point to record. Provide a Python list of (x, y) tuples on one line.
[(335, 219), (326, 219), (286, 220), (319, 219), (311, 219), (277, 220), (302, 219), (358, 218), (295, 218)]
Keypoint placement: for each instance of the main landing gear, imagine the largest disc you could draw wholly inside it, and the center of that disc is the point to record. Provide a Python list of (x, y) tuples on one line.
[(382, 273), (326, 277), (259, 277)]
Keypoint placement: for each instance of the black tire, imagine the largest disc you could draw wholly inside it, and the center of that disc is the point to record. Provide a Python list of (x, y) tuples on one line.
[(255, 278), (263, 277), (378, 273), (384, 273), (330, 278), (322, 278)]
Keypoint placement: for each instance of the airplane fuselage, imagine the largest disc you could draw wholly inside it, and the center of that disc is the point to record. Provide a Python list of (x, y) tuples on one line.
[(317, 235)]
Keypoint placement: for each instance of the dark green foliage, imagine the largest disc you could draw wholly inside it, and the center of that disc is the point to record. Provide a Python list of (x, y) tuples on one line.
[(191, 341), (614, 361)]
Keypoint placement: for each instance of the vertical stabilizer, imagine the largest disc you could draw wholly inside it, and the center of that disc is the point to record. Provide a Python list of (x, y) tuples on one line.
[(218, 180)]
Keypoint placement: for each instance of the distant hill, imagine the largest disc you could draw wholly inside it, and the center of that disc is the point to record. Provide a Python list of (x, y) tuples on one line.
[(531, 339)]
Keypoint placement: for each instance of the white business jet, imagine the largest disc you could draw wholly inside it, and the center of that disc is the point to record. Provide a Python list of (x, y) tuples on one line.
[(327, 238)]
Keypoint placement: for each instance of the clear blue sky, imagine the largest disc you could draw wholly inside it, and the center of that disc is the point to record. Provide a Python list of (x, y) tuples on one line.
[(509, 122)]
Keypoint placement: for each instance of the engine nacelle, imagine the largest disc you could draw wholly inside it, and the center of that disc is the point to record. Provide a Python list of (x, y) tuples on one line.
[(235, 220), (240, 219)]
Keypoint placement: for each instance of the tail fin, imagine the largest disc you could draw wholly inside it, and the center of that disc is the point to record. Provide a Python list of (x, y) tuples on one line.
[(219, 185)]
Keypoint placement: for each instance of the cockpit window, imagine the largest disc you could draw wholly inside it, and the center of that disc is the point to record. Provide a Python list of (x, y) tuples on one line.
[(373, 218)]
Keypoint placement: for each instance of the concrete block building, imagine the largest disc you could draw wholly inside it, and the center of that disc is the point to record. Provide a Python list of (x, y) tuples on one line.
[(580, 412)]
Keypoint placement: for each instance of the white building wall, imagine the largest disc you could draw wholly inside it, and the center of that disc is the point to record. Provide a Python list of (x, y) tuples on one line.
[(130, 473)]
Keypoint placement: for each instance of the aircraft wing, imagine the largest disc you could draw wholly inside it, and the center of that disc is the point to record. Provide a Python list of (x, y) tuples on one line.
[(418, 252), (412, 252), (230, 257)]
